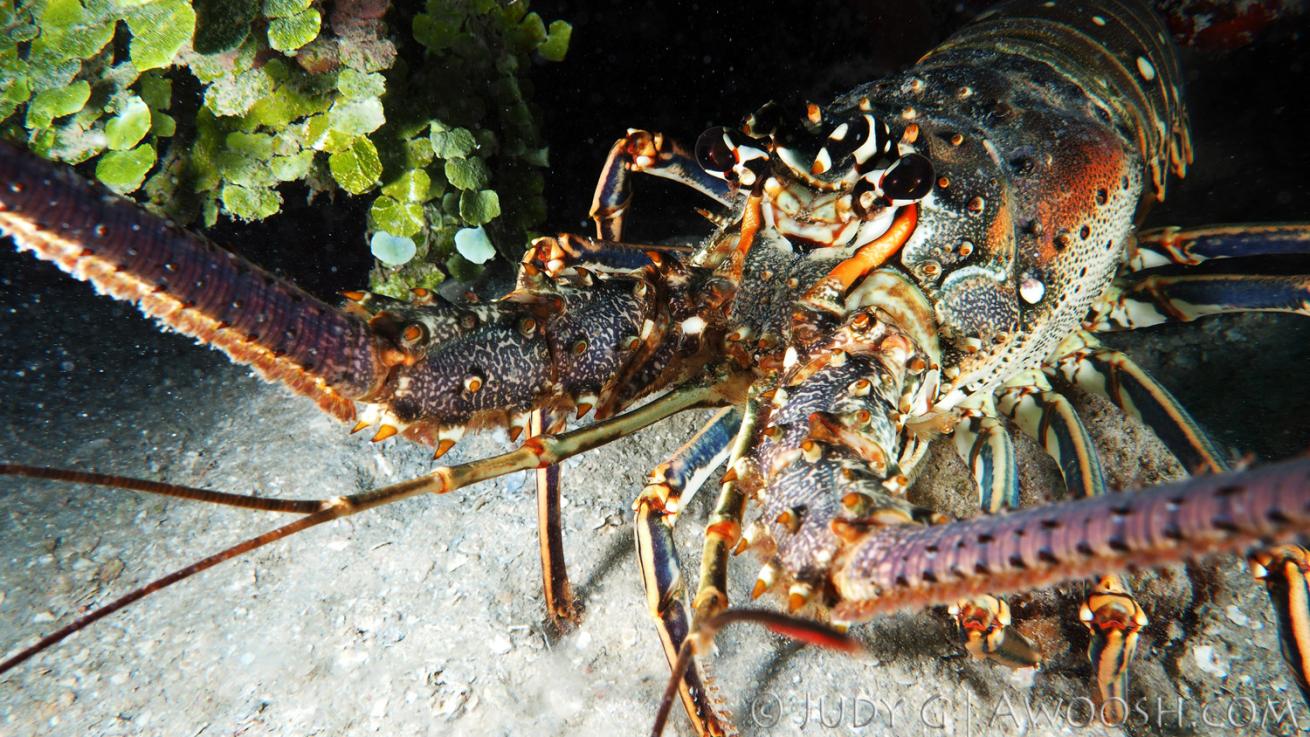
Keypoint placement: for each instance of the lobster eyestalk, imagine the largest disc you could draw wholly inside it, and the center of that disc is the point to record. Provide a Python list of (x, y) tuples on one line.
[(907, 566), (189, 283)]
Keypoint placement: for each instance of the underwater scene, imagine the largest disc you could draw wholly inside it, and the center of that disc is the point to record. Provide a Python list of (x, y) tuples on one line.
[(900, 366)]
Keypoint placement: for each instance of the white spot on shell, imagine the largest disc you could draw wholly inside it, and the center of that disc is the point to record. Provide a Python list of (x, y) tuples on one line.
[(1031, 290), (693, 325), (1145, 69)]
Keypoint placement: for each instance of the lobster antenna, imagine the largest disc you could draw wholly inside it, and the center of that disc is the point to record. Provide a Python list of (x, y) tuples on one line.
[(177, 491), (537, 452), (803, 630), (328, 510), (245, 546)]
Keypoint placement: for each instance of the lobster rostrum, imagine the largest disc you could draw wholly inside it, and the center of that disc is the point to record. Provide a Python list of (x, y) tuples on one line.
[(927, 255)]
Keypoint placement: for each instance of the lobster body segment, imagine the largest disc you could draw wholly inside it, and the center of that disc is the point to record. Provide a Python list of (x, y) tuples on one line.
[(1041, 125), (1042, 141)]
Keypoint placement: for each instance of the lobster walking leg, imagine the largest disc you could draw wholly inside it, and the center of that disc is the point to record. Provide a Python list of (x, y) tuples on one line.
[(1110, 612), (1048, 417), (647, 153), (1114, 619), (1191, 246), (723, 530), (671, 485), (1157, 299), (985, 445), (1086, 363), (1282, 569), (555, 586), (1143, 300)]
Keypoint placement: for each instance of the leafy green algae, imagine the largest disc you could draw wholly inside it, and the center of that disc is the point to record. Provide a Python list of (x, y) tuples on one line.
[(205, 109)]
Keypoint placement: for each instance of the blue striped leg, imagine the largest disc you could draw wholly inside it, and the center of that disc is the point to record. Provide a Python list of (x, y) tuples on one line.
[(1142, 301), (1047, 416), (1085, 361), (985, 445), (1282, 569), (669, 487), (647, 153), (579, 256), (1191, 246), (1111, 614)]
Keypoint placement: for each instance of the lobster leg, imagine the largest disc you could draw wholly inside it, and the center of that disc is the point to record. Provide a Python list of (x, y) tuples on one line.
[(671, 485), (1282, 569), (555, 586), (1161, 298), (1047, 416), (648, 153), (1191, 246), (552, 254), (1093, 367), (1110, 612), (1114, 619), (724, 528), (983, 442), (985, 446)]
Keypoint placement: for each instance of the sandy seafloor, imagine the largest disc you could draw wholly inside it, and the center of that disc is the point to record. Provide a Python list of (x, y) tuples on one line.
[(425, 617)]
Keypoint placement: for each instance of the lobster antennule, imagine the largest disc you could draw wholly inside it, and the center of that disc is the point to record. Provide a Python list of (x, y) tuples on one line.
[(912, 566), (188, 283)]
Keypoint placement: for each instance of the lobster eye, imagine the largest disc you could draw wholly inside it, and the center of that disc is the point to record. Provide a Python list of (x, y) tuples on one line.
[(713, 152), (909, 179)]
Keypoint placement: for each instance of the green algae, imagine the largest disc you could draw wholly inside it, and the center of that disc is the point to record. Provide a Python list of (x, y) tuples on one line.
[(208, 109)]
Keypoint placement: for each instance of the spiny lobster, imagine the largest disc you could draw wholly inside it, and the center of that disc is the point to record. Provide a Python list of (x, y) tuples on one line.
[(532, 289)]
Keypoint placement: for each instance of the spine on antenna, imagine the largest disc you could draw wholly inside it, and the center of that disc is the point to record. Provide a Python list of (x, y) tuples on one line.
[(187, 283), (910, 566)]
